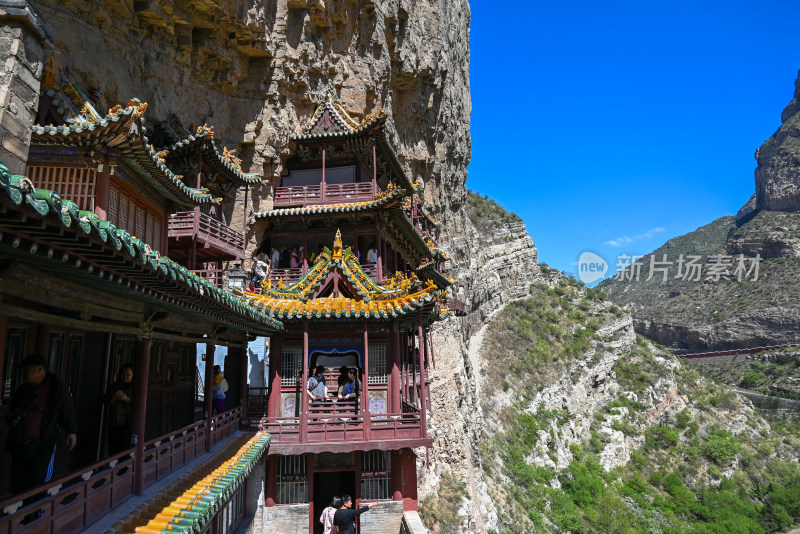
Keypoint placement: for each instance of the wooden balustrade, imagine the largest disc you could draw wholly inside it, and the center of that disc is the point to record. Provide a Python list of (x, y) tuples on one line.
[(207, 230), (339, 427), (289, 275), (75, 502), (314, 195)]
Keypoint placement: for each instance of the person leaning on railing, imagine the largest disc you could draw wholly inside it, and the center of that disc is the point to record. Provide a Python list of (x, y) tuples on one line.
[(352, 388)]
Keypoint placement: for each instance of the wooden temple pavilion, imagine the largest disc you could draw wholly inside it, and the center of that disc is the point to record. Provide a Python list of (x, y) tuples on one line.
[(366, 300), (85, 280)]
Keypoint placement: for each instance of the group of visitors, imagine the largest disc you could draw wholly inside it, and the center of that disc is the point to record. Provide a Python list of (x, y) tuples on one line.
[(340, 517), (40, 413), (349, 386)]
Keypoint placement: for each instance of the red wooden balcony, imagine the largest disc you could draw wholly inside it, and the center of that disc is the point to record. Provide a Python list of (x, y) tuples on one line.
[(215, 239), (73, 503), (315, 195), (291, 275)]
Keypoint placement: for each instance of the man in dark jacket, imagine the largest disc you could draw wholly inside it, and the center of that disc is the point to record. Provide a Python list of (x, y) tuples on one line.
[(39, 412), (345, 517)]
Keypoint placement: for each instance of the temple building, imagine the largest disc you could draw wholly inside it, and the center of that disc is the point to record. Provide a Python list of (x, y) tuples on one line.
[(116, 249), (364, 301)]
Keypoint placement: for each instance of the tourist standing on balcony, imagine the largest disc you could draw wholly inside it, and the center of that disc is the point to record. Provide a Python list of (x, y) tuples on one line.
[(294, 262), (219, 390), (275, 257), (372, 254), (345, 517), (317, 386), (301, 256), (120, 399), (38, 413), (352, 388)]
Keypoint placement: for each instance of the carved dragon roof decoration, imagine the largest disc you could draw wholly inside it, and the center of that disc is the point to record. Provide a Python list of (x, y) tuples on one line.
[(357, 294)]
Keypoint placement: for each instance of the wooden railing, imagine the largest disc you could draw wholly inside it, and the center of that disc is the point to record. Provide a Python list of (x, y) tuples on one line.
[(348, 427), (257, 399), (212, 275), (75, 502), (206, 230), (457, 306), (289, 275), (313, 195)]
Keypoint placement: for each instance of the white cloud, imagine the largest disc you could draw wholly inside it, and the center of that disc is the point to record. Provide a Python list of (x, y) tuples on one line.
[(618, 242)]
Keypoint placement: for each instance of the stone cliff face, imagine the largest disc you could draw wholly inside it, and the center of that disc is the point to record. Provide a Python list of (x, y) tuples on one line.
[(254, 70), (778, 172)]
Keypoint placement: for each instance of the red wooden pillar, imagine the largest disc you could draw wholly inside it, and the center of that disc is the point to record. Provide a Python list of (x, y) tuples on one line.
[(164, 248), (422, 397), (306, 252), (322, 184), (244, 225), (211, 347), (395, 405), (275, 362), (102, 191), (379, 247), (140, 378), (303, 387), (243, 376), (365, 386), (397, 475), (271, 483), (3, 336), (310, 495), (374, 169)]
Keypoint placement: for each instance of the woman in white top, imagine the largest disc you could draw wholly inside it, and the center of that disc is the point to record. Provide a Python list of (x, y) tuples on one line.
[(327, 515)]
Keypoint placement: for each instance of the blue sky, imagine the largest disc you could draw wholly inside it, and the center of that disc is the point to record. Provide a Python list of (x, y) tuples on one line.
[(613, 126)]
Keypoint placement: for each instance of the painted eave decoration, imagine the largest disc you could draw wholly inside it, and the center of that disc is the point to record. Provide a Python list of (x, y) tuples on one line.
[(122, 131), (225, 163), (398, 296), (38, 207)]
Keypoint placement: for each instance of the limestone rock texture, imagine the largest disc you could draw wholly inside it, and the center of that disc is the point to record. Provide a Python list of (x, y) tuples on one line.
[(254, 70), (778, 172)]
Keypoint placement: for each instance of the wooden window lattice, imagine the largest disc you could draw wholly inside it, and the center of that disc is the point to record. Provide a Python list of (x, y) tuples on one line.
[(291, 365), (72, 183), (377, 364), (376, 474), (292, 487)]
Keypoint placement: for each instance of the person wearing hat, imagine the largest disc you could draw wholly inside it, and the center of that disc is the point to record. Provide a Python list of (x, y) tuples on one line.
[(38, 413)]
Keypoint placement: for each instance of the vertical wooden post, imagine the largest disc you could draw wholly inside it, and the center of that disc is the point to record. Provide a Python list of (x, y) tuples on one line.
[(306, 251), (374, 169), (243, 361), (364, 386), (379, 247), (140, 378), (102, 190), (423, 416), (310, 475), (397, 475), (395, 404), (211, 347), (322, 184), (303, 386), (164, 248), (3, 336), (275, 362), (271, 482)]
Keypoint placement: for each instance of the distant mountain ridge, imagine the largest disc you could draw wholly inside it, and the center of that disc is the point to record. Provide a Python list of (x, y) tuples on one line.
[(731, 311)]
